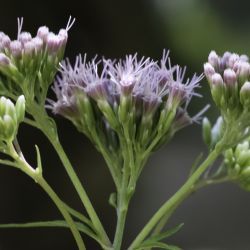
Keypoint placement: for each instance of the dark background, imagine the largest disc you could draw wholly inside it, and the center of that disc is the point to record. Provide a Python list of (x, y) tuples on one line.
[(217, 217)]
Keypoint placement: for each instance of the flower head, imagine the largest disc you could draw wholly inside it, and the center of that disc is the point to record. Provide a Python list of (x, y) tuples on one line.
[(142, 94), (32, 59), (228, 77)]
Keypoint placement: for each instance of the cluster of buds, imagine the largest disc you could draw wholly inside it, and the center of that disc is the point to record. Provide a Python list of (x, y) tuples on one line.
[(237, 164), (228, 77), (10, 117), (142, 102), (30, 63)]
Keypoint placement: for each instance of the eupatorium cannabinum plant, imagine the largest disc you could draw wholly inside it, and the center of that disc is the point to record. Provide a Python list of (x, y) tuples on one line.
[(128, 108)]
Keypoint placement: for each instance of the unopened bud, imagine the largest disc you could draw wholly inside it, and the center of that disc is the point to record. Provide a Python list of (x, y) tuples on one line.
[(63, 34), (241, 147), (43, 33), (217, 131), (232, 60), (53, 42), (24, 37), (5, 42), (29, 48), (245, 95), (230, 77), (213, 59), (16, 48), (209, 71), (206, 131), (224, 60), (217, 88), (243, 72), (2, 105), (243, 157), (10, 108), (38, 43), (9, 127), (20, 108), (244, 58), (4, 60)]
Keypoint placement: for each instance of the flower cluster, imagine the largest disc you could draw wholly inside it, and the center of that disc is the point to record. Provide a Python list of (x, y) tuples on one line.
[(228, 77), (237, 164), (30, 63), (10, 117), (141, 99)]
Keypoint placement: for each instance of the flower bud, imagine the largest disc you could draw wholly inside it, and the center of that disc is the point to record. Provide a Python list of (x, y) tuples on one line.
[(244, 58), (10, 109), (43, 33), (217, 89), (209, 71), (217, 131), (5, 41), (9, 127), (243, 72), (53, 43), (16, 48), (241, 147), (4, 60), (232, 60), (38, 43), (2, 105), (245, 94), (224, 60), (213, 59), (206, 131), (243, 157), (230, 78), (20, 108), (63, 34), (24, 37), (29, 48)]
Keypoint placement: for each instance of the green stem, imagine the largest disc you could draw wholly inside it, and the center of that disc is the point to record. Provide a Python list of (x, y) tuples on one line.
[(127, 187), (43, 122), (81, 191), (177, 197), (37, 177), (63, 211)]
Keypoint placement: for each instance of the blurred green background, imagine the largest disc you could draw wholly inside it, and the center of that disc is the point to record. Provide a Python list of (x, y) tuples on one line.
[(215, 218)]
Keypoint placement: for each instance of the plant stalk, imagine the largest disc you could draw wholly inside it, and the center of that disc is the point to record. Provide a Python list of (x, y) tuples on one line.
[(177, 197)]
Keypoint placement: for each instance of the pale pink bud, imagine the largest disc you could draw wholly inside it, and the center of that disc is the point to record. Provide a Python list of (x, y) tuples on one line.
[(38, 43), (29, 48), (43, 33), (4, 60), (16, 48), (213, 59), (24, 37), (230, 77), (217, 79), (5, 41), (232, 60), (53, 42), (208, 70)]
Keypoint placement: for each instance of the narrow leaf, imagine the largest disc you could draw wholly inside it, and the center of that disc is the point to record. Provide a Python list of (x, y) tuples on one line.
[(55, 223), (165, 234), (39, 162), (157, 245)]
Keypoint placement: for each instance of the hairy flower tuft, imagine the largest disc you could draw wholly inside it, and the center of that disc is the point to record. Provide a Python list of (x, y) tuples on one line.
[(146, 95)]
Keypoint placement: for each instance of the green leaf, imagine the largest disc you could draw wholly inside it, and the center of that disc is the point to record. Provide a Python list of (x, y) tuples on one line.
[(157, 245), (165, 234), (39, 162), (55, 223)]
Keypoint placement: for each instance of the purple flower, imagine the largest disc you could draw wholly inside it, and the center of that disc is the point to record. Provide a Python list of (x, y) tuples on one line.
[(131, 90)]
